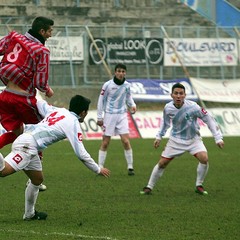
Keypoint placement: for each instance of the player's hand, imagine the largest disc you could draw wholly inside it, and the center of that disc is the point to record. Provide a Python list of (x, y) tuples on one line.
[(133, 110), (105, 172), (49, 93), (156, 143), (220, 144), (100, 123)]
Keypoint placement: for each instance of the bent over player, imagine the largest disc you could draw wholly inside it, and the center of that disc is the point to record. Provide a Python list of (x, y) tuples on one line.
[(184, 137), (58, 124)]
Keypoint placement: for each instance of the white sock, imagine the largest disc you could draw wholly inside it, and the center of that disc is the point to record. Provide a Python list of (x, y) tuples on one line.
[(129, 158), (101, 158), (31, 194), (2, 162), (156, 174), (202, 170)]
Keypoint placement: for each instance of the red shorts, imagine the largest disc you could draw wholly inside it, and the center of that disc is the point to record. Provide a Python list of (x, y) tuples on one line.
[(17, 109)]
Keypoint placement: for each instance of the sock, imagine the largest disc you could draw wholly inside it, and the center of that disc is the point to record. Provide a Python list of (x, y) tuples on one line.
[(101, 158), (129, 158), (7, 138), (31, 194), (202, 170), (156, 174), (2, 162)]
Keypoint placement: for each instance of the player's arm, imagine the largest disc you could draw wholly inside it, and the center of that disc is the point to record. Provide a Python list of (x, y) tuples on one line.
[(100, 105), (165, 125), (44, 108), (42, 73), (130, 102), (213, 127), (74, 135), (3, 43)]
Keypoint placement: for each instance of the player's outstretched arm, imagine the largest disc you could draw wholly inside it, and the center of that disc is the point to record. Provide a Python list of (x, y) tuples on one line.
[(105, 172)]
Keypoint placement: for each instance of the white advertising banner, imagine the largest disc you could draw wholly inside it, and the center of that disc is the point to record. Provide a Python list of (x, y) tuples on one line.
[(217, 90), (65, 48), (148, 123), (228, 120), (201, 51)]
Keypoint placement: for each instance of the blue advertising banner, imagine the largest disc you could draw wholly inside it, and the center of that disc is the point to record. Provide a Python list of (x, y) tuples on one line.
[(158, 90)]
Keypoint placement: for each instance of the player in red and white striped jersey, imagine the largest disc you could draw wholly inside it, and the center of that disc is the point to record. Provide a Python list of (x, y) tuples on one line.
[(23, 69)]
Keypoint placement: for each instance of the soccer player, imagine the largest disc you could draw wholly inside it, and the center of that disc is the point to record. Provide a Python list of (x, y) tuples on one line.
[(184, 137), (58, 124), (23, 69), (113, 102)]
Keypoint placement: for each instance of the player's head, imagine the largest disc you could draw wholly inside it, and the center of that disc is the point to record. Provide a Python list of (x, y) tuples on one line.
[(121, 66), (120, 72), (178, 85), (43, 26), (178, 94), (79, 105)]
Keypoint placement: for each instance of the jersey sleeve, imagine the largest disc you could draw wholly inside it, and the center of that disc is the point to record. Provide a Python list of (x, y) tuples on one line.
[(164, 126), (74, 135), (44, 108), (129, 99), (3, 41), (100, 104), (42, 70), (212, 124)]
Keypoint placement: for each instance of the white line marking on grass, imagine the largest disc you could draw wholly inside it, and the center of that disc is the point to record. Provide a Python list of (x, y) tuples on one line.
[(59, 234)]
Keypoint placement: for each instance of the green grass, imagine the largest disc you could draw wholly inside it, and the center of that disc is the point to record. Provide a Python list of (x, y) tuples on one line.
[(84, 206)]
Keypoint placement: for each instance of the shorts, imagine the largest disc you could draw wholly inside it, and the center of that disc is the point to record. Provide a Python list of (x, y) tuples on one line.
[(115, 124), (176, 148), (16, 109), (24, 154)]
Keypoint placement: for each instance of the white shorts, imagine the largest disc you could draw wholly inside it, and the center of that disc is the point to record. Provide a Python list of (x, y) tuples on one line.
[(115, 124), (24, 154), (176, 148)]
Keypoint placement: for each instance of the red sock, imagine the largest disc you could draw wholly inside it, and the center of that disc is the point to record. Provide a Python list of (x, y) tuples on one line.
[(7, 138)]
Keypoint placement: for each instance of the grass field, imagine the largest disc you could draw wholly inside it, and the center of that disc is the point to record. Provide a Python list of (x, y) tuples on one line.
[(84, 206)]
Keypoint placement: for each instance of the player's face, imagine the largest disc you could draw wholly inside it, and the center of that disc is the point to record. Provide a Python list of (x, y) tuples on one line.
[(120, 73), (178, 95), (82, 116), (46, 34)]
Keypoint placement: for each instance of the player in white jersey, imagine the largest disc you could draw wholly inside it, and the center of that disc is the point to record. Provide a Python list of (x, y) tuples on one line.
[(58, 124), (184, 137), (113, 103)]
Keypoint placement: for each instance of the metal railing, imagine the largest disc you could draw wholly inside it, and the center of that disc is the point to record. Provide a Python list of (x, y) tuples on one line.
[(71, 73)]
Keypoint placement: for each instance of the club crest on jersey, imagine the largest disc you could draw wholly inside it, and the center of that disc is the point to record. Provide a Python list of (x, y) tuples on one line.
[(204, 111), (17, 158), (80, 137), (102, 92)]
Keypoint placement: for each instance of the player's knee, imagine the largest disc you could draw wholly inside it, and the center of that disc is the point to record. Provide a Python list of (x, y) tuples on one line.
[(204, 160), (37, 182)]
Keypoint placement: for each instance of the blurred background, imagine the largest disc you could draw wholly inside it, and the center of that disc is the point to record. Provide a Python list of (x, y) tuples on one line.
[(156, 39)]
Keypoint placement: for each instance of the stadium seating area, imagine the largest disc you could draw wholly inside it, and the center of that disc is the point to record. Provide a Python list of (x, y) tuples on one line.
[(128, 12)]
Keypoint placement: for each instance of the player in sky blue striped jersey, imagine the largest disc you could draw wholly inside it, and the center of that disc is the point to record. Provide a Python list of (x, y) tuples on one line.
[(183, 115), (114, 101)]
